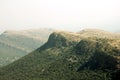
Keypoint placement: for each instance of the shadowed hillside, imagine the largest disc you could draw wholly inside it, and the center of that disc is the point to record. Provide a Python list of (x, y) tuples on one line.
[(68, 56)]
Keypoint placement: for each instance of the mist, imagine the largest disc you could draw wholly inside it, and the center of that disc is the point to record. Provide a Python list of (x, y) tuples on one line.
[(71, 15)]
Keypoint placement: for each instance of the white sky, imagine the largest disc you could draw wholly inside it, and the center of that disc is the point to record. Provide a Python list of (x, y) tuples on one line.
[(61, 14)]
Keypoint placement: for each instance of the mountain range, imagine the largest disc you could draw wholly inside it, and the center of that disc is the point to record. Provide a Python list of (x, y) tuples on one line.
[(16, 44), (87, 55)]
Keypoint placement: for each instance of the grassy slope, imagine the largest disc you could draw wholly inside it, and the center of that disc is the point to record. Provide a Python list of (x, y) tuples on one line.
[(99, 33), (66, 58), (19, 43)]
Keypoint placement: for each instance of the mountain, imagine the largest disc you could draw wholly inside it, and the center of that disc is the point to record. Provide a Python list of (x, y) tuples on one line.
[(98, 33), (68, 56), (15, 44)]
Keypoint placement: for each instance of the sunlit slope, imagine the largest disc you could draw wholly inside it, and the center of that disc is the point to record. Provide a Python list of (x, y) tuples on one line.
[(99, 33), (19, 43), (68, 56)]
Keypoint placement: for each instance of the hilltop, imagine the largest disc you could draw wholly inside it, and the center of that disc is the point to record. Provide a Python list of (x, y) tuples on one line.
[(68, 56), (99, 33)]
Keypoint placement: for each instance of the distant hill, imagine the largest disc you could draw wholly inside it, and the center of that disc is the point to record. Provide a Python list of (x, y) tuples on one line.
[(69, 56), (99, 33), (15, 44)]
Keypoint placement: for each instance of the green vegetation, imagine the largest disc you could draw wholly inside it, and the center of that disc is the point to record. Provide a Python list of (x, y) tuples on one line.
[(16, 44), (67, 58)]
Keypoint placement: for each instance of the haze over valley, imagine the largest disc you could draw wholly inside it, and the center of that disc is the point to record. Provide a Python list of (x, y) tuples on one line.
[(16, 44)]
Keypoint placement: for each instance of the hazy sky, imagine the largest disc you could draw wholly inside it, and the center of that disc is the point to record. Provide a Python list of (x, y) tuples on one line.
[(63, 14)]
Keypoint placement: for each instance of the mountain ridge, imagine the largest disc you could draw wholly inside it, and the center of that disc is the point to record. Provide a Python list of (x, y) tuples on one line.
[(99, 33), (83, 58)]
